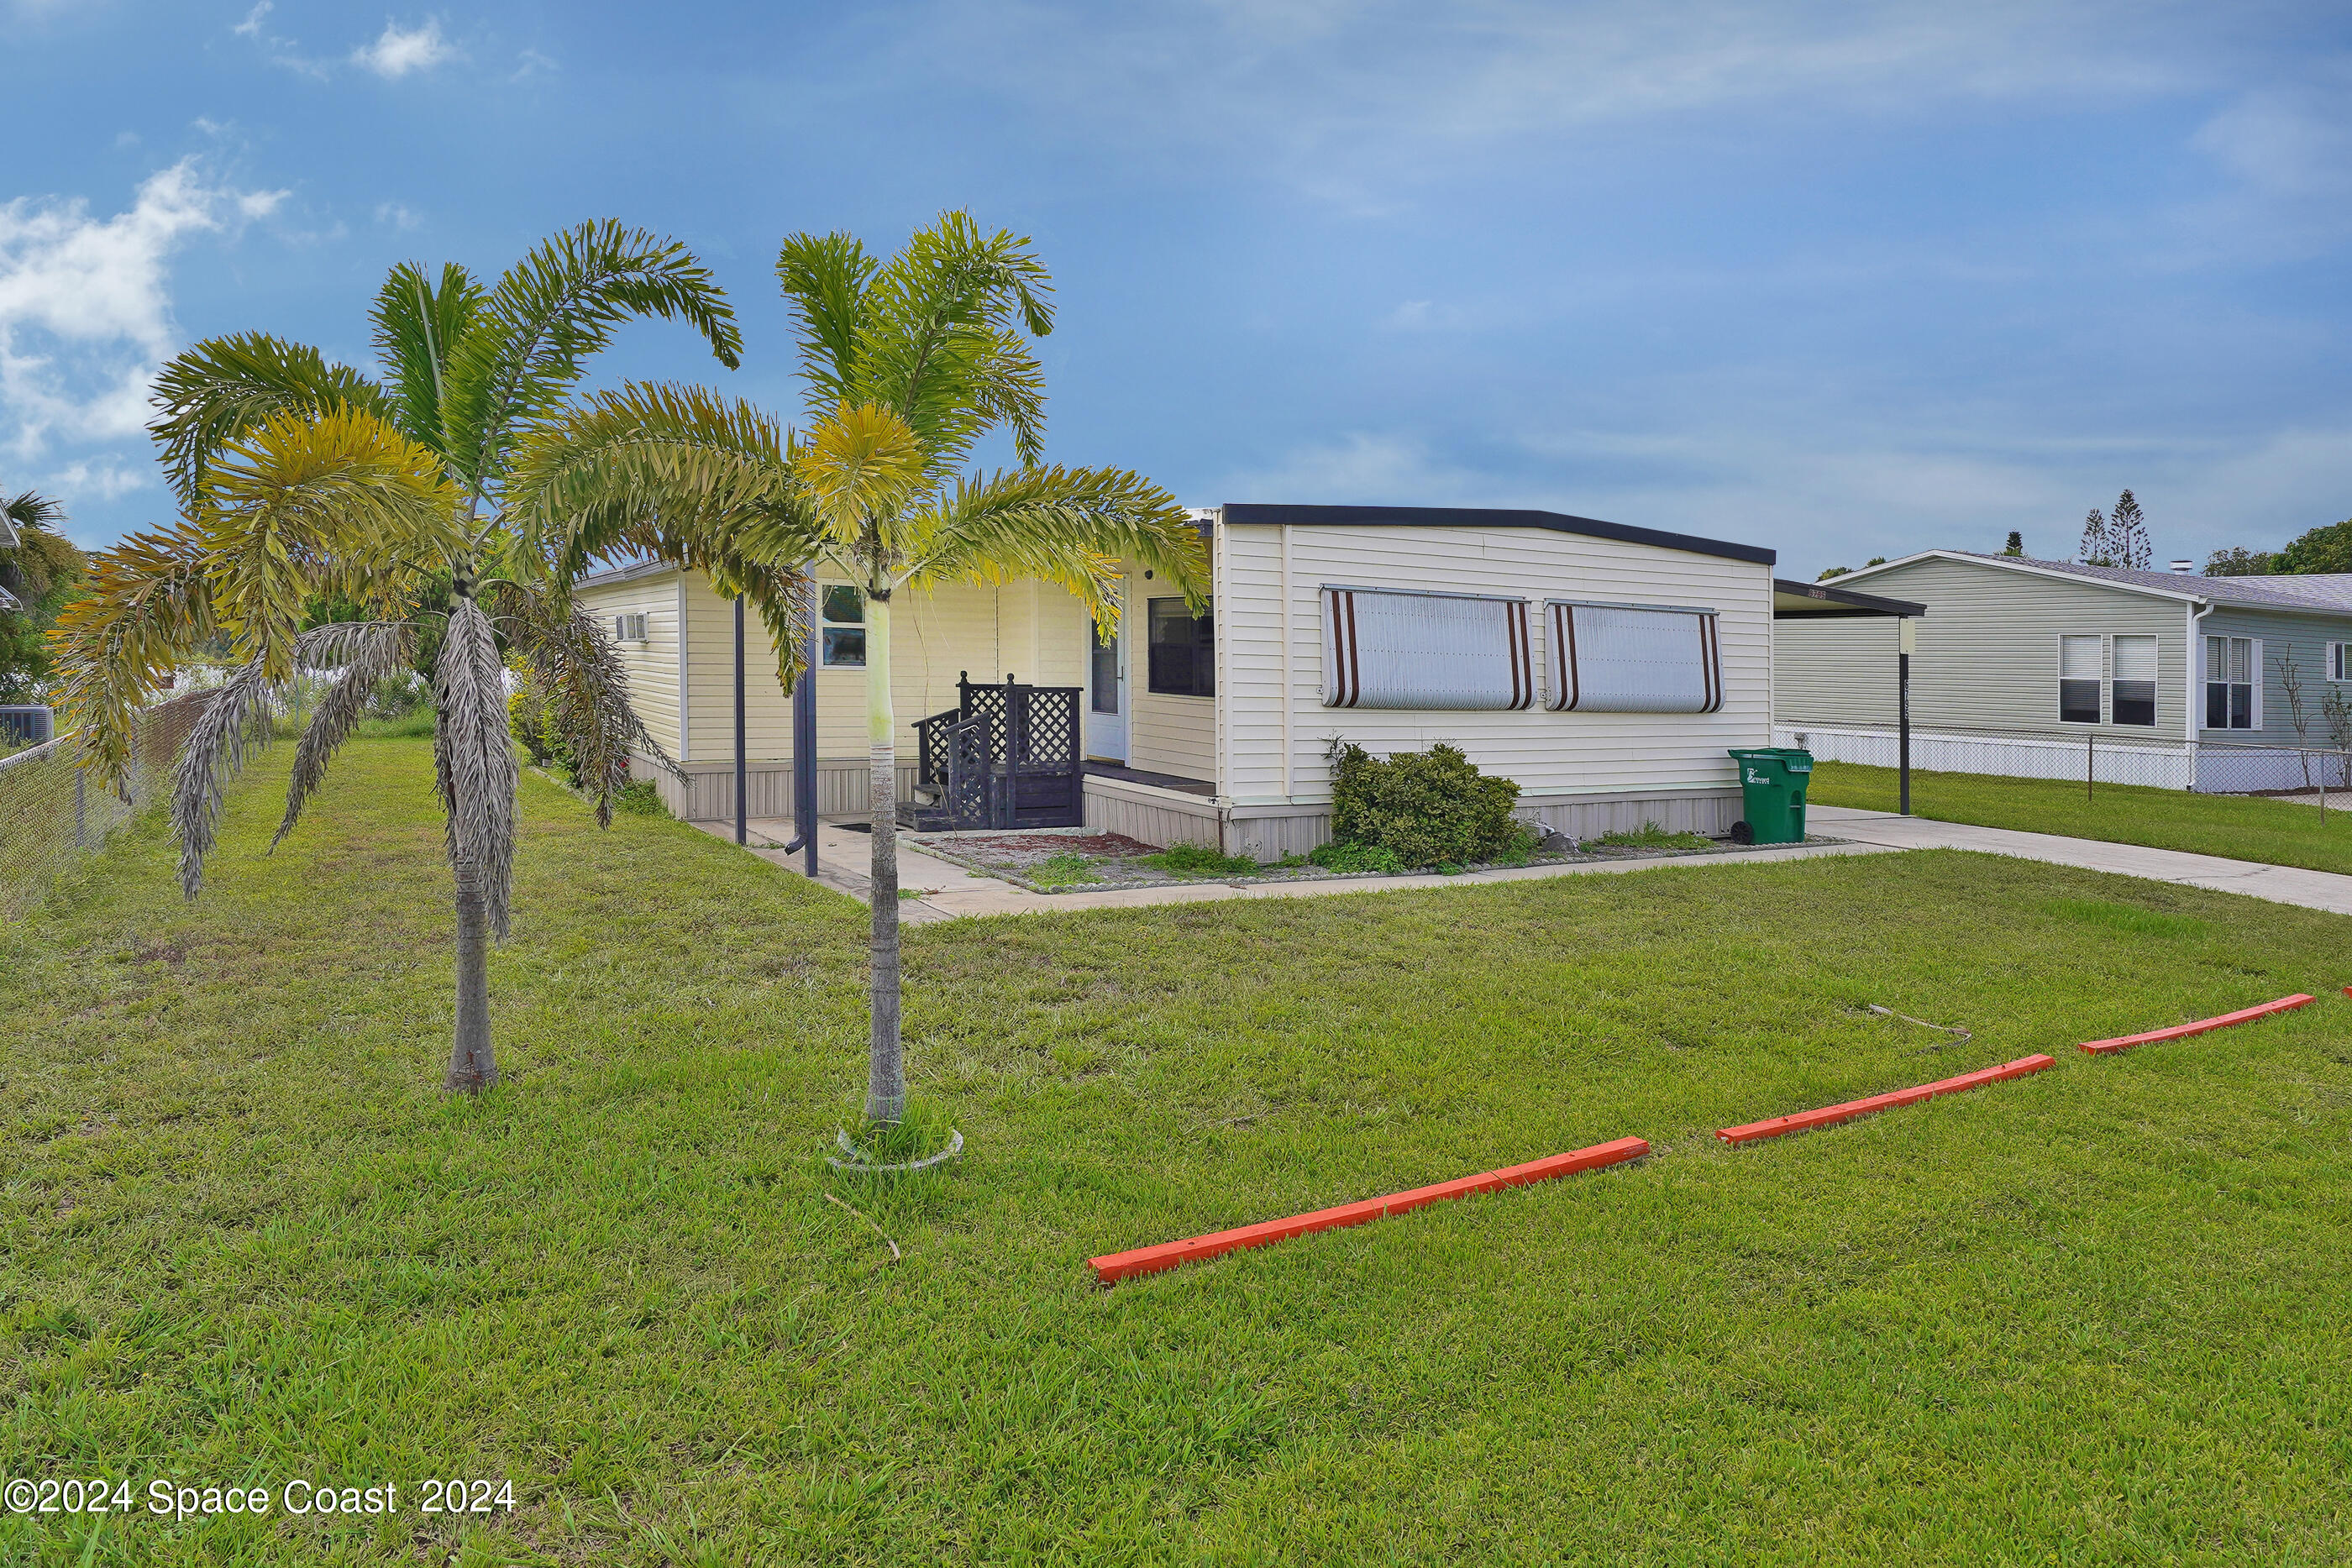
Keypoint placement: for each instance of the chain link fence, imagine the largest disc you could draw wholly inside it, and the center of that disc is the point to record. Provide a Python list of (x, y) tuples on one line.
[(2321, 775), (51, 813)]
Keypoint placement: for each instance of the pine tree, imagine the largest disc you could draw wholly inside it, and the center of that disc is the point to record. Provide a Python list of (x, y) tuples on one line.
[(2016, 545), (2094, 550), (2128, 535)]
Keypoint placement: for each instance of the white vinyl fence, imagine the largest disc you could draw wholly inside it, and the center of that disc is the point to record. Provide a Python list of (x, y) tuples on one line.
[(2213, 768)]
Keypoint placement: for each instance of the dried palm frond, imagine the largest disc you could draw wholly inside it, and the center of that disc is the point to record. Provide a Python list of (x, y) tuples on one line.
[(240, 718), (572, 662), (369, 650), (472, 753)]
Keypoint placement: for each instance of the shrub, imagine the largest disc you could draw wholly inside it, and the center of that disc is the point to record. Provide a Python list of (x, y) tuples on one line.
[(640, 797), (527, 719), (1200, 860), (1427, 808), (1650, 836), (1357, 857), (399, 694)]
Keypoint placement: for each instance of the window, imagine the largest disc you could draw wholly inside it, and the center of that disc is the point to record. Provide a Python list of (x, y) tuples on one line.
[(2340, 660), (1383, 648), (1183, 651), (2133, 698), (2230, 664), (843, 627), (1634, 658), (1104, 674), (2081, 668), (628, 628)]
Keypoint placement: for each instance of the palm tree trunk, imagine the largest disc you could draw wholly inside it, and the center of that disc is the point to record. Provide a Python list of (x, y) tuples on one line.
[(885, 1072), (472, 1067)]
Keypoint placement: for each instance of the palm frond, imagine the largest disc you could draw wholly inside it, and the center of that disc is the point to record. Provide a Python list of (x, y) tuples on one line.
[(332, 504), (823, 278), (1069, 525), (474, 760), (30, 509), (367, 652), (860, 463), (237, 718), (417, 322), (553, 309), (942, 338), (572, 663), (146, 605), (222, 388)]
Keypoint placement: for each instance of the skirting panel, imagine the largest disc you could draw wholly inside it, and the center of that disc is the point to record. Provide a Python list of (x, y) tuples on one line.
[(707, 795), (1270, 832), (1153, 818)]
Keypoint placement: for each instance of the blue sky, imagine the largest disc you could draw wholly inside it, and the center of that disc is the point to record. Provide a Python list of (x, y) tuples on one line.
[(1843, 279)]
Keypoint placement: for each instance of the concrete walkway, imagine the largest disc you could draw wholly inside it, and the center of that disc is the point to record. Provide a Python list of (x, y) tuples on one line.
[(2281, 884), (948, 892)]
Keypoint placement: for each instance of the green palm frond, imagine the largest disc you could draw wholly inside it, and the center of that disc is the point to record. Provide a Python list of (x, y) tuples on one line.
[(341, 504), (417, 322), (861, 463), (553, 309), (223, 388), (30, 509), (824, 279), (146, 604), (941, 341), (1069, 525)]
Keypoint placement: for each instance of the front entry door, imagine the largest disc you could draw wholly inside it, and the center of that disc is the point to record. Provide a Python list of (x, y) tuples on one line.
[(1106, 695)]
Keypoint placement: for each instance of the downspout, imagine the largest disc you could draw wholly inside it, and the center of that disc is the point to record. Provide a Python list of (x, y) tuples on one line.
[(2193, 694)]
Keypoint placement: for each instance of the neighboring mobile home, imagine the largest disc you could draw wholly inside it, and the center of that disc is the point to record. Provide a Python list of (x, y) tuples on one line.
[(2042, 668), (1605, 668)]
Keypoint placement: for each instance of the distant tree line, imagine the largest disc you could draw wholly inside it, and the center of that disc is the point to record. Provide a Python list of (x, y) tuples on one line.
[(2325, 548)]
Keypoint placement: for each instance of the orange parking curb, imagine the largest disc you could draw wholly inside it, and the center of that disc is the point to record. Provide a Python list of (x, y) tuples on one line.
[(1829, 1115), (1113, 1267), (2183, 1031)]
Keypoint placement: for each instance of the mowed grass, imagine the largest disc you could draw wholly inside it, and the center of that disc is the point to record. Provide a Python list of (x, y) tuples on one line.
[(2097, 1315), (2241, 827)]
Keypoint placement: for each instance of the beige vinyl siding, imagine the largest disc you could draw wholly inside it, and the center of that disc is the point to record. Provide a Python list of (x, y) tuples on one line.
[(652, 665), (2303, 638), (1988, 653), (1545, 752), (1035, 630), (1171, 735)]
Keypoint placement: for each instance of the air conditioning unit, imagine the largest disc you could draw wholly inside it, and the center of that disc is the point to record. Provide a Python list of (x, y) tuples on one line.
[(628, 628)]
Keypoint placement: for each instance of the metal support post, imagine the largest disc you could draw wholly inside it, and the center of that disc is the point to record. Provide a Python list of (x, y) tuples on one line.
[(743, 769), (1908, 640)]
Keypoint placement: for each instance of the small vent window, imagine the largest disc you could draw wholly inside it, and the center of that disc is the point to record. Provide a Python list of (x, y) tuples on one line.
[(1631, 658), (1382, 648), (628, 628)]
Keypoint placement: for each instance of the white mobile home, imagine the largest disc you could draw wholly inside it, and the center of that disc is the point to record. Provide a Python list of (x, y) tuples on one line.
[(1604, 668)]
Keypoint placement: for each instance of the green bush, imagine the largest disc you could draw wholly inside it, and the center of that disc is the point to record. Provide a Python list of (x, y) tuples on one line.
[(1427, 808), (1650, 836), (1200, 860), (1357, 857), (640, 797)]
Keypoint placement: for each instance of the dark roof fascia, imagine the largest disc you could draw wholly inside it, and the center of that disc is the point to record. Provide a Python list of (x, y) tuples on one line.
[(1847, 603), (1486, 517), (624, 573)]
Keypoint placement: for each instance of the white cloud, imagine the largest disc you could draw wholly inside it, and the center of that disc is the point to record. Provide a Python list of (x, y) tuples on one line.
[(395, 215), (251, 27), (85, 305), (531, 63), (401, 50)]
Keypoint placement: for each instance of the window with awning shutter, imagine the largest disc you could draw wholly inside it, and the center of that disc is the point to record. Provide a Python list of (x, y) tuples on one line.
[(1633, 658), (1383, 648)]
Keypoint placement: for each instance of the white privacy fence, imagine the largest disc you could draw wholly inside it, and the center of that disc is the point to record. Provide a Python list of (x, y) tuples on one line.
[(2213, 767)]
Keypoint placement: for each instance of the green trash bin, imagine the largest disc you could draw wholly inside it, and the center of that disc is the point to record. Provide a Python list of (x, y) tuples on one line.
[(1772, 781)]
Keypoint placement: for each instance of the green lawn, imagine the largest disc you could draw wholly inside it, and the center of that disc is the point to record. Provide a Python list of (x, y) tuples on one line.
[(2098, 1315), (2242, 827)]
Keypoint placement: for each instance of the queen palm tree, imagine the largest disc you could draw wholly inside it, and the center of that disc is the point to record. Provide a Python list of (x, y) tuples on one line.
[(907, 365), (300, 479)]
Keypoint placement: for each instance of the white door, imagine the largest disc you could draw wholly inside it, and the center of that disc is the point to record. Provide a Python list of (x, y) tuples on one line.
[(1106, 695)]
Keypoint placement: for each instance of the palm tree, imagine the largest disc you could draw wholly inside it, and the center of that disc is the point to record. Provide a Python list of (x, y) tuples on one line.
[(906, 363), (300, 480), (38, 566)]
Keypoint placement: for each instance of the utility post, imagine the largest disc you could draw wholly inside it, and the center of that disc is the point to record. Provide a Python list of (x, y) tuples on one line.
[(743, 769)]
